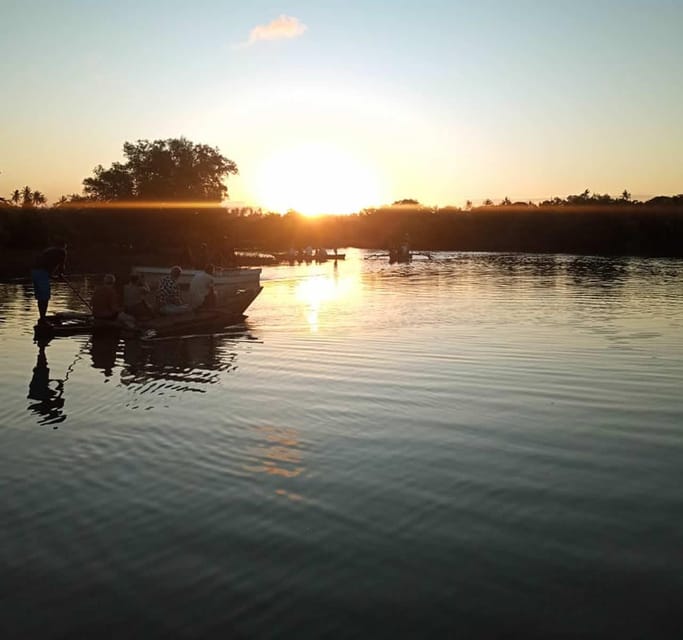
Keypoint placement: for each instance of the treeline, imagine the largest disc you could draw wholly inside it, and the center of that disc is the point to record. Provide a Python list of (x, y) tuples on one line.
[(578, 224)]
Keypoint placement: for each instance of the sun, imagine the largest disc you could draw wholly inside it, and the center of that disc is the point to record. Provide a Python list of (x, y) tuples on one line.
[(316, 179)]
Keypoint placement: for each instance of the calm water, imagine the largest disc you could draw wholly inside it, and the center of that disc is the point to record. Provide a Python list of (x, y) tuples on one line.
[(483, 445)]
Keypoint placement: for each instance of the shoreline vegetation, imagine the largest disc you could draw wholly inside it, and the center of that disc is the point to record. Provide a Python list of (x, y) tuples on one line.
[(113, 239), (161, 206)]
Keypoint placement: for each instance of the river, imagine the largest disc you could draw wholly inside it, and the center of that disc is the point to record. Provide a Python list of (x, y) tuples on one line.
[(480, 445)]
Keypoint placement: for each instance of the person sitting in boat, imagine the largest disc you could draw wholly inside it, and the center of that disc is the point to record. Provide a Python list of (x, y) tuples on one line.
[(168, 295), (48, 264), (202, 291), (106, 306), (135, 294)]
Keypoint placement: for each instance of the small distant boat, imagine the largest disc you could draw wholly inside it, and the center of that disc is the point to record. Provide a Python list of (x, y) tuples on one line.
[(68, 323), (317, 257), (400, 254)]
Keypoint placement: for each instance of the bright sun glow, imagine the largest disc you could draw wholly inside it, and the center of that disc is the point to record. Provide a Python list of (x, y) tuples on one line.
[(314, 179)]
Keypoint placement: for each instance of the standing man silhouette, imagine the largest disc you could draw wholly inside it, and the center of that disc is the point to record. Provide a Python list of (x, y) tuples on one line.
[(48, 264)]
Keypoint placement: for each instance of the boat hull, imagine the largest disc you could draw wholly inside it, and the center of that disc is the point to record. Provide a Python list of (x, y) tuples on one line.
[(232, 311), (226, 281)]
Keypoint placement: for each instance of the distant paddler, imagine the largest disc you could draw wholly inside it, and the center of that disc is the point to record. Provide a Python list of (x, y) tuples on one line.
[(48, 264)]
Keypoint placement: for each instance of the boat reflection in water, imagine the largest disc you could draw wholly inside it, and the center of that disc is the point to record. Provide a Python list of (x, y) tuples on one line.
[(48, 393), (180, 363)]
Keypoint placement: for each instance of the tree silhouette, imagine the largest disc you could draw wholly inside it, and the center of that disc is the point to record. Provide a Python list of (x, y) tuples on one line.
[(26, 197), (38, 198), (115, 183), (175, 169), (16, 197)]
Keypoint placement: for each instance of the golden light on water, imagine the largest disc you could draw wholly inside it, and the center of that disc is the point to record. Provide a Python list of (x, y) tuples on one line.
[(317, 292), (316, 179)]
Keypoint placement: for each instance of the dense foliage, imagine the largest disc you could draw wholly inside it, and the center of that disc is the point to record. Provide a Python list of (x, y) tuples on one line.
[(579, 226), (163, 170)]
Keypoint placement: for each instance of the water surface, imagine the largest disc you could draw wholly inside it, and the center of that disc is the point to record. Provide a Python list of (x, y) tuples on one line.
[(478, 444)]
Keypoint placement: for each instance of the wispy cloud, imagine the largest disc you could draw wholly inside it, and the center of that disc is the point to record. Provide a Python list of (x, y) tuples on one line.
[(282, 28)]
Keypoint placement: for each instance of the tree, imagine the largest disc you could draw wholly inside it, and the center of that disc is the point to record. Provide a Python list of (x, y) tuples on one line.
[(26, 197), (405, 201), (488, 202), (115, 183), (71, 199), (38, 198), (175, 169)]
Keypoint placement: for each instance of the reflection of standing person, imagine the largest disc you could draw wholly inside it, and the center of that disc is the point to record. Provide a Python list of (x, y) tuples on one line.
[(48, 263), (50, 403)]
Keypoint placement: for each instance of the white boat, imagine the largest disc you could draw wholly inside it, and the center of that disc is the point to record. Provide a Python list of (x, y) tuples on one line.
[(227, 281)]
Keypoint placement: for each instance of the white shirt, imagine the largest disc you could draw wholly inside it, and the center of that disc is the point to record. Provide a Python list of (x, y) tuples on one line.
[(200, 285)]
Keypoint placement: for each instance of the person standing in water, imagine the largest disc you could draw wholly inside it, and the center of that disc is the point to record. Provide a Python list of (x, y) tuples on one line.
[(49, 263)]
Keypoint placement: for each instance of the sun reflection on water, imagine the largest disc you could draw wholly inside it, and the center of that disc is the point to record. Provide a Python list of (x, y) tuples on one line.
[(279, 454), (317, 292)]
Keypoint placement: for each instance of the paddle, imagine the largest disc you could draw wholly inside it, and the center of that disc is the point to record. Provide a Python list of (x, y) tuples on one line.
[(83, 300)]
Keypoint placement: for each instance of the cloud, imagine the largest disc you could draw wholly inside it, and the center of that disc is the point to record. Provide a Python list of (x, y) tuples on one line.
[(281, 28)]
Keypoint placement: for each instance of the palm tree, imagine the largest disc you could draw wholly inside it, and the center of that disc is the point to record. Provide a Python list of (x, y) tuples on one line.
[(38, 198), (26, 197), (16, 196)]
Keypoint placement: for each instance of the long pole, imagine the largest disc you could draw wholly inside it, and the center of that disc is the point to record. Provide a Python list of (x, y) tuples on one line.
[(83, 300)]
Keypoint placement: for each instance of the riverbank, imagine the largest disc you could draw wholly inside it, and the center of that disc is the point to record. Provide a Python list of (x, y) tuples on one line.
[(114, 240)]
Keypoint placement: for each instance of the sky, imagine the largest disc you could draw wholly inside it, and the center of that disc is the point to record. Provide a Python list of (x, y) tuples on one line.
[(337, 105)]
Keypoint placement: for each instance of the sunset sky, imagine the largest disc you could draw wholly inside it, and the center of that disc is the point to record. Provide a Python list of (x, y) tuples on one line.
[(333, 106)]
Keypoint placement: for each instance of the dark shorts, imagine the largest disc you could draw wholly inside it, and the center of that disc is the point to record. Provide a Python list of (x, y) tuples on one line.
[(41, 284)]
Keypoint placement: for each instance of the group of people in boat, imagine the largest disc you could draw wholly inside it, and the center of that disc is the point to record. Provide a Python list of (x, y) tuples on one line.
[(309, 254), (169, 300), (106, 304)]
